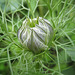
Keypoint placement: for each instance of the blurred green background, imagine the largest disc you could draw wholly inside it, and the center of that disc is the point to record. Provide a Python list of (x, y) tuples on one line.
[(16, 60)]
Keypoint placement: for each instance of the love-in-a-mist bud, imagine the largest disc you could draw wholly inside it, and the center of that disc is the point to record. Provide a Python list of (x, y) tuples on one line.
[(36, 34)]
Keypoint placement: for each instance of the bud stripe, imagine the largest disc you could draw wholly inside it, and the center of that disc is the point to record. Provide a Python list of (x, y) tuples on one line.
[(41, 28), (39, 37)]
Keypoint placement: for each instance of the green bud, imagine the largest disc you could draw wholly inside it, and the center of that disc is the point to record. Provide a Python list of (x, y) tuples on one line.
[(36, 34)]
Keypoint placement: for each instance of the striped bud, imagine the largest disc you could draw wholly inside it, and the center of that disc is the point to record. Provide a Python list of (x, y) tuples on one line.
[(36, 34)]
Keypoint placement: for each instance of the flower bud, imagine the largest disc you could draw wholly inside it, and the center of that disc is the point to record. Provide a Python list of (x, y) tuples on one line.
[(36, 34)]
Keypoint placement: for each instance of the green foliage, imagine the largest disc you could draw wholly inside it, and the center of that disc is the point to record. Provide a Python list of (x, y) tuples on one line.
[(33, 5), (9, 5), (71, 52), (3, 26), (59, 59)]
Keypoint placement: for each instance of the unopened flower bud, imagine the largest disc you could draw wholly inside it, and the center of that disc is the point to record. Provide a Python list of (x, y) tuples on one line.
[(36, 34)]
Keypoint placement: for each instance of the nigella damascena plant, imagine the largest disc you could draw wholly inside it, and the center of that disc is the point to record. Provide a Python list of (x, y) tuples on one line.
[(36, 34)]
